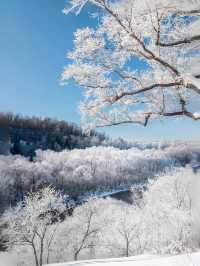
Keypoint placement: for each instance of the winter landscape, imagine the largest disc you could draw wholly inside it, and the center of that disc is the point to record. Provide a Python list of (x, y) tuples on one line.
[(116, 182)]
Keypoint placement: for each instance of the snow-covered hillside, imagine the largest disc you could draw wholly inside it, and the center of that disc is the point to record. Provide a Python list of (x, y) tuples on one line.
[(91, 172), (181, 260)]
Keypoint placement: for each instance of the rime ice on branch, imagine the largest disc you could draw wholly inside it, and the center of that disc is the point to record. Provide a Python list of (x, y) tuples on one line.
[(141, 62)]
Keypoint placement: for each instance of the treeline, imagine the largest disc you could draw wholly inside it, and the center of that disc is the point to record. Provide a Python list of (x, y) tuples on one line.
[(24, 135)]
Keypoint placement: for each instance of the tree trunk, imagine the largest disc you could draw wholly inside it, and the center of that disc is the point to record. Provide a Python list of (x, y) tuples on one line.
[(127, 248), (76, 256), (35, 255), (41, 252)]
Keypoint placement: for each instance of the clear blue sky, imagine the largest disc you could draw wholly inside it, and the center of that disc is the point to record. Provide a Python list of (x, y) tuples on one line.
[(35, 37)]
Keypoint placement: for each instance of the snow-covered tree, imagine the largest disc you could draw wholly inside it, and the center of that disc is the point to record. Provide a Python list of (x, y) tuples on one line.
[(78, 235), (170, 208), (33, 222), (86, 229), (123, 234), (140, 62)]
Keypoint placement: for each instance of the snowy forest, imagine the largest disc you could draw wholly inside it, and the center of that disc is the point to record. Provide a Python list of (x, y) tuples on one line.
[(69, 193), (73, 204)]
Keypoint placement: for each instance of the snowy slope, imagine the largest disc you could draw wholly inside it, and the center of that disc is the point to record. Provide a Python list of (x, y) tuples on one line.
[(181, 260)]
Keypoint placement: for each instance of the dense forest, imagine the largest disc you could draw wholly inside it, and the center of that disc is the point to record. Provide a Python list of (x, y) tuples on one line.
[(84, 173), (165, 221), (24, 135)]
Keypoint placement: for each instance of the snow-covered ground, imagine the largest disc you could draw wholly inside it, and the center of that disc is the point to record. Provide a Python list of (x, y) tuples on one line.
[(180, 260), (8, 259)]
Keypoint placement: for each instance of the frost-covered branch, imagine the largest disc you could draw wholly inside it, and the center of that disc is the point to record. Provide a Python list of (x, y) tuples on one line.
[(140, 62)]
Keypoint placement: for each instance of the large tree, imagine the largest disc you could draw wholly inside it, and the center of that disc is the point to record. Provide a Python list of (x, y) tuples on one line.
[(139, 63)]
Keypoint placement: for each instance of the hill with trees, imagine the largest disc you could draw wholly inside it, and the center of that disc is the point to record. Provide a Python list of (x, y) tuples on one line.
[(24, 135)]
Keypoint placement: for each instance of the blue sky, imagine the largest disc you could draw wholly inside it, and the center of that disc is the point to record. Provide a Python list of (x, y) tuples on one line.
[(35, 37)]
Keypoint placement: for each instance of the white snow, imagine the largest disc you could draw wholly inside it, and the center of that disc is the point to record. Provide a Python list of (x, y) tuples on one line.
[(179, 260), (7, 259), (197, 114), (190, 79)]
